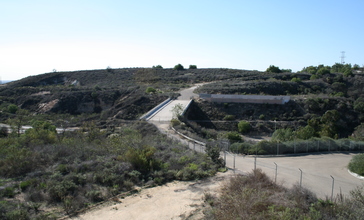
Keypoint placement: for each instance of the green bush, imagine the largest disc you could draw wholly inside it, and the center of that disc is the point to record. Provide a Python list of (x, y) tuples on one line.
[(12, 108), (193, 67), (17, 214), (240, 148), (179, 67), (229, 117), (273, 69), (157, 67), (295, 79), (233, 136), (313, 77), (244, 126), (283, 135), (359, 105), (150, 90), (8, 192), (25, 184), (356, 165)]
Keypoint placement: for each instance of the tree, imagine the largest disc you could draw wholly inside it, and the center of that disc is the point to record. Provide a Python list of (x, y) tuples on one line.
[(244, 126), (273, 69), (329, 123), (179, 67), (157, 67), (193, 67)]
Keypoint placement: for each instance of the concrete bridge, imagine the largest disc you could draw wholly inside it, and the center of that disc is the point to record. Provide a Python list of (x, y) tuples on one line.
[(164, 111)]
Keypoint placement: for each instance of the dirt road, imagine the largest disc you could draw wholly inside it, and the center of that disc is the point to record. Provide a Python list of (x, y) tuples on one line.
[(175, 200)]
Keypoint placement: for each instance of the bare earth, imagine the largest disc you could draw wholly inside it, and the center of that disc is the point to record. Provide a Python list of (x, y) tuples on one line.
[(175, 200)]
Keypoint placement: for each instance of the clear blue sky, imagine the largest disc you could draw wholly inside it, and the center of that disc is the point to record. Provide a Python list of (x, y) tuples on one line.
[(38, 36)]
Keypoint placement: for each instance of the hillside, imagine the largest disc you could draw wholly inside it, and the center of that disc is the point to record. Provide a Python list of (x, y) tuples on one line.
[(47, 174), (104, 95)]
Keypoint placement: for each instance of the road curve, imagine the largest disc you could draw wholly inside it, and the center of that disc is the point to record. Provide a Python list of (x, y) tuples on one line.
[(319, 171)]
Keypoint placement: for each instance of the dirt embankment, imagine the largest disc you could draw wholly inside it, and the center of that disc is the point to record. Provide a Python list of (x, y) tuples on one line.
[(175, 200)]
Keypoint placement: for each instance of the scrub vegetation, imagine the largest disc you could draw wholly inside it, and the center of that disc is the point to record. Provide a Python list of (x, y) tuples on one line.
[(73, 170), (256, 196), (87, 145)]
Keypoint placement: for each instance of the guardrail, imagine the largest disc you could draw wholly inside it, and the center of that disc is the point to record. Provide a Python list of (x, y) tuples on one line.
[(155, 110)]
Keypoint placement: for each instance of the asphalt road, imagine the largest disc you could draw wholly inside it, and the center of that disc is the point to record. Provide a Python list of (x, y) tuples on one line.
[(319, 171)]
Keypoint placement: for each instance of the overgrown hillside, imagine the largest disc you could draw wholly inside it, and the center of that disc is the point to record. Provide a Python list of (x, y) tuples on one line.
[(310, 100)]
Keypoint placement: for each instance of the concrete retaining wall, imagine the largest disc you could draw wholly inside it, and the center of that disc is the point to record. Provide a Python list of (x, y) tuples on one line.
[(259, 99)]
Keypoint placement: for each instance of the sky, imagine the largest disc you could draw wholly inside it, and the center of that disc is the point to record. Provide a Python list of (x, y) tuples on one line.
[(40, 36)]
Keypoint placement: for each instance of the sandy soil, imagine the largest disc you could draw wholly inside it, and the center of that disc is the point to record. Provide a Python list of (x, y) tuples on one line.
[(175, 200)]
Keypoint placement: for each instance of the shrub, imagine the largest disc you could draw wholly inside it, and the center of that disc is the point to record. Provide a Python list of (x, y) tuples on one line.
[(175, 122), (261, 117), (273, 69), (233, 136), (25, 184), (229, 117), (295, 79), (356, 164), (12, 109), (240, 148), (244, 126), (150, 90), (283, 135), (157, 67), (359, 105), (348, 73), (8, 192), (17, 214), (313, 77), (179, 67), (193, 67)]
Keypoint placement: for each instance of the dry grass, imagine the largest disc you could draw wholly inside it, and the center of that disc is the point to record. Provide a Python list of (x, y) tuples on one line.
[(256, 196)]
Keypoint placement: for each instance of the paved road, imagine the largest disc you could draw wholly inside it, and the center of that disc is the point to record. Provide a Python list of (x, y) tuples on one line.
[(316, 169)]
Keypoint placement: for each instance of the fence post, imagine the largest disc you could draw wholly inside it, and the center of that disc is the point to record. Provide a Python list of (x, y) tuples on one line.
[(294, 145), (300, 178), (255, 162), (275, 177), (225, 157), (234, 163), (329, 145), (277, 148), (332, 190)]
